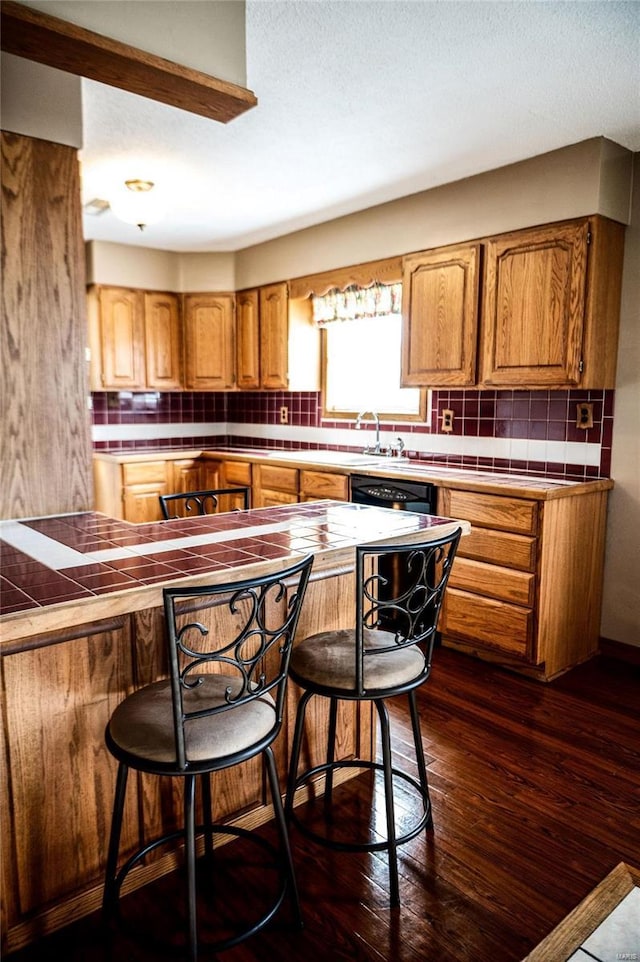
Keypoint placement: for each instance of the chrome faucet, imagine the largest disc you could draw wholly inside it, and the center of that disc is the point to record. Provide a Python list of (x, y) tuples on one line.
[(360, 420)]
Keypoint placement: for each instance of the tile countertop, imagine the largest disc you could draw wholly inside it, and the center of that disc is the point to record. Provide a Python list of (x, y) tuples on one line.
[(68, 570), (346, 462)]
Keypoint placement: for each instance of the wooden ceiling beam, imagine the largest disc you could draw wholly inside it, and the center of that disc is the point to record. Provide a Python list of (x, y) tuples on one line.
[(28, 33)]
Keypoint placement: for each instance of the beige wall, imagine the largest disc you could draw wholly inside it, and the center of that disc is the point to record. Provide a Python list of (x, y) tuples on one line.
[(592, 177), (40, 102), (621, 609), (153, 270)]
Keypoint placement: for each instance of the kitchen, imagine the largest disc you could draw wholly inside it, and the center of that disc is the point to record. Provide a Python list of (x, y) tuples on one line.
[(403, 225)]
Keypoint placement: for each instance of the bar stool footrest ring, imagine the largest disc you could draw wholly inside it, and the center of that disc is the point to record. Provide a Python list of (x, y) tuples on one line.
[(425, 821)]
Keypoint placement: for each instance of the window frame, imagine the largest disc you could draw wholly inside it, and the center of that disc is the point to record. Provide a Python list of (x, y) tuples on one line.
[(327, 414)]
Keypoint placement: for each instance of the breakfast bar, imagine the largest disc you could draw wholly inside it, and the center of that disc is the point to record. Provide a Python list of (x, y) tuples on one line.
[(82, 627)]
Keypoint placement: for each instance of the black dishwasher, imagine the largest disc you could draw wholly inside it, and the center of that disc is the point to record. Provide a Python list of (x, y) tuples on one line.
[(400, 495)]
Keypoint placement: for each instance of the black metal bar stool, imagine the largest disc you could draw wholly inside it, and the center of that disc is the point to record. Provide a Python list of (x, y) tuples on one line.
[(201, 502), (221, 705), (399, 591)]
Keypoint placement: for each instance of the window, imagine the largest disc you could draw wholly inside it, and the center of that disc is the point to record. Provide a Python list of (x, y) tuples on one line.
[(361, 332)]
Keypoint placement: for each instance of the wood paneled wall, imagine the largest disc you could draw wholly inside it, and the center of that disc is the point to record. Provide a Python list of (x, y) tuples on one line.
[(45, 466)]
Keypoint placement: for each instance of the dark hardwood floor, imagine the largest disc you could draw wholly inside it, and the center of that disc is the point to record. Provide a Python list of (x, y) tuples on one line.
[(536, 797)]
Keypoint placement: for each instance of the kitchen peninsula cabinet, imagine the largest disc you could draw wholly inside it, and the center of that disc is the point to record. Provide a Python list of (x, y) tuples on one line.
[(135, 338), (526, 588), (551, 305), (209, 321), (65, 666), (440, 317)]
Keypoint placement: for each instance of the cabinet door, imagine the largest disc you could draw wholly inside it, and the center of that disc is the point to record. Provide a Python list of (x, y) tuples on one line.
[(186, 475), (534, 306), (440, 317), (320, 485), (211, 474), (122, 338), (264, 498), (209, 341), (163, 341), (274, 336), (141, 504), (248, 340)]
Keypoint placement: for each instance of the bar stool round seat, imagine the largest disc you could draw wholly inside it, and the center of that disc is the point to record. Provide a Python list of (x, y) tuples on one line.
[(399, 592), (221, 705)]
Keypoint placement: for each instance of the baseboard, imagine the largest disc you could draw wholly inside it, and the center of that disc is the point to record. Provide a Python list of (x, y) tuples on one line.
[(620, 651)]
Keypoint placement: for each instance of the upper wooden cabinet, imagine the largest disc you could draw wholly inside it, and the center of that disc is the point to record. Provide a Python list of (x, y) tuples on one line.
[(163, 341), (116, 335), (209, 342), (274, 336), (248, 340), (552, 304), (440, 317), (549, 315), (262, 327), (135, 339)]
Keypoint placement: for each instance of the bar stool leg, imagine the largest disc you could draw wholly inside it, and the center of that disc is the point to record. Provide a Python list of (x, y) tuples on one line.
[(282, 831), (190, 851), (385, 737), (295, 752), (422, 768), (331, 752), (110, 895), (205, 786)]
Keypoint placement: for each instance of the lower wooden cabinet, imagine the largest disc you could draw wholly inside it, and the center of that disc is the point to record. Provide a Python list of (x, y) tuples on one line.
[(274, 484), (186, 475), (318, 485), (526, 586), (143, 483)]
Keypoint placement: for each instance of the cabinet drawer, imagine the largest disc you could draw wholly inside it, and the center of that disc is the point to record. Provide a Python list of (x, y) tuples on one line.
[(320, 484), (278, 478), (499, 547), (237, 472), (505, 584), (487, 622), (268, 499), (144, 472), (494, 511)]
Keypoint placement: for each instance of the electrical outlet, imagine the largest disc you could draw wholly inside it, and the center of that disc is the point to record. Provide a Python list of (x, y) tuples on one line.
[(584, 418), (284, 414), (447, 417)]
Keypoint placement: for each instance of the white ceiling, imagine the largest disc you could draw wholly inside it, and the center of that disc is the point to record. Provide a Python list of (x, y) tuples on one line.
[(361, 102)]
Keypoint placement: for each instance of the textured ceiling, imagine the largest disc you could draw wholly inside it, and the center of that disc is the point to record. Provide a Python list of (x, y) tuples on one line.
[(361, 102)]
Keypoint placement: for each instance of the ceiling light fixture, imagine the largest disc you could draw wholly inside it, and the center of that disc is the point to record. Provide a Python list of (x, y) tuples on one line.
[(138, 203)]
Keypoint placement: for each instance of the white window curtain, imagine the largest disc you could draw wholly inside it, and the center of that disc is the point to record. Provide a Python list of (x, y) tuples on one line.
[(356, 303)]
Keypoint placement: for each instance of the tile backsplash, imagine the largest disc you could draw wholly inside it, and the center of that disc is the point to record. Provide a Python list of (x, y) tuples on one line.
[(507, 430)]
